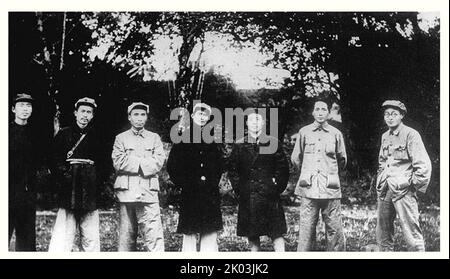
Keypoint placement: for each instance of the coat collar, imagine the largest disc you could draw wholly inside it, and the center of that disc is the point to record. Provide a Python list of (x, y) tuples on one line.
[(325, 126), (77, 128), (260, 140), (139, 133), (397, 131), (254, 140)]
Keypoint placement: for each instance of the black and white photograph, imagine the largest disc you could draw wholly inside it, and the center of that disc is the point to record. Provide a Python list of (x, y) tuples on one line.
[(207, 132)]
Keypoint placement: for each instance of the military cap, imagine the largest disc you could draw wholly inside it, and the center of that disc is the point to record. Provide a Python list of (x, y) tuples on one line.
[(23, 97), (201, 106), (138, 105), (395, 104), (86, 102)]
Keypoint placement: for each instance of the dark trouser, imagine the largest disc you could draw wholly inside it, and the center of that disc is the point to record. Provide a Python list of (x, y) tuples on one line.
[(408, 212), (22, 219), (331, 215)]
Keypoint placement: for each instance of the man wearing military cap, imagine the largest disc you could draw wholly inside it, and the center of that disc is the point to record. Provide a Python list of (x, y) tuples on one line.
[(138, 156), (404, 169), (22, 175), (77, 158), (258, 180), (196, 168)]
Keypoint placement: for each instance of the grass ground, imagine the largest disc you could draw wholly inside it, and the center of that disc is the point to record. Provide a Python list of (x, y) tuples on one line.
[(359, 226)]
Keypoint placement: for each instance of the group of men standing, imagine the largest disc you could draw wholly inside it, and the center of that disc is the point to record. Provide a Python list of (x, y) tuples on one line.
[(196, 168)]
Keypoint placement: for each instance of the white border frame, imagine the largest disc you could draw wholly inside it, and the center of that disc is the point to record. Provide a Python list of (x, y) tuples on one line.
[(440, 6)]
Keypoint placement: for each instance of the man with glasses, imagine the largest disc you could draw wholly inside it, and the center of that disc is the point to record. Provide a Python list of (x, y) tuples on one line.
[(404, 169)]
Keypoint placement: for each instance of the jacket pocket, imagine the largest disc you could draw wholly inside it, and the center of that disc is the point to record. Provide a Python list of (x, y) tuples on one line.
[(149, 151), (310, 147), (275, 187), (129, 147), (121, 182), (381, 180), (400, 153), (333, 181), (330, 148), (304, 179), (154, 184), (402, 182)]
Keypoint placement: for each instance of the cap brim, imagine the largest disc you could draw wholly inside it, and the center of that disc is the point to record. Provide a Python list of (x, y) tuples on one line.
[(202, 109), (85, 104), (31, 100), (139, 107), (394, 107)]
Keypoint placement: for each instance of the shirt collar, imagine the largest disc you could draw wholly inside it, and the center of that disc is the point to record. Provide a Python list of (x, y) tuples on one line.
[(256, 140), (140, 132), (79, 130), (18, 125), (397, 130), (325, 126), (262, 139)]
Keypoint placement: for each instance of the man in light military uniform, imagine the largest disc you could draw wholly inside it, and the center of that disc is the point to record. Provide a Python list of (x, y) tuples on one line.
[(138, 156), (319, 152), (404, 169)]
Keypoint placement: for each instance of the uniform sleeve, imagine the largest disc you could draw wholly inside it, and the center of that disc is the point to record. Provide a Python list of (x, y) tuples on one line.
[(381, 165), (281, 169), (298, 151), (59, 154), (420, 162), (174, 167), (233, 168), (152, 164), (381, 158), (123, 161), (341, 153), (219, 162)]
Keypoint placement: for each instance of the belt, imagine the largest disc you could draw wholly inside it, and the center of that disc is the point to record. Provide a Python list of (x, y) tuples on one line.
[(80, 161)]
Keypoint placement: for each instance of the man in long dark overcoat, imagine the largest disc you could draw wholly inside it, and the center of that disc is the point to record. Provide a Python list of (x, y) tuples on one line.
[(196, 168), (23, 162), (258, 180)]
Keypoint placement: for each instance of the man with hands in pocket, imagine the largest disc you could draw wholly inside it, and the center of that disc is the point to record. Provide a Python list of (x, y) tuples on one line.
[(258, 180), (319, 153), (138, 156), (404, 169)]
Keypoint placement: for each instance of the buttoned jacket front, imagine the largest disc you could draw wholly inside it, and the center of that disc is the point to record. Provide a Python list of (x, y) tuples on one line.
[(137, 158), (259, 179), (403, 162), (196, 168), (320, 154)]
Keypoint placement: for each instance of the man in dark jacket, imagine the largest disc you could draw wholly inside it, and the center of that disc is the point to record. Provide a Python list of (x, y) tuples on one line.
[(76, 155), (258, 180), (22, 175), (197, 168)]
